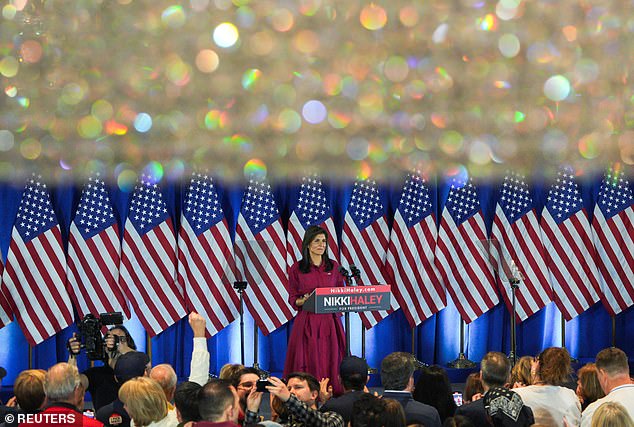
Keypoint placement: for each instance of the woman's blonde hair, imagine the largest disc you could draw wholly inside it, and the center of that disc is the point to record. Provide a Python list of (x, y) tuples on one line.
[(144, 400), (611, 414), (29, 389), (521, 372)]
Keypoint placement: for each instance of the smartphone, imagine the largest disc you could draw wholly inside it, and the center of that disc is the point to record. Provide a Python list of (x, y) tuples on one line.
[(260, 385), (457, 397)]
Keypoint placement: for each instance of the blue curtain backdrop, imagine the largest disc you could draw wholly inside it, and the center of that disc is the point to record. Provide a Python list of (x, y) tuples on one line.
[(437, 339)]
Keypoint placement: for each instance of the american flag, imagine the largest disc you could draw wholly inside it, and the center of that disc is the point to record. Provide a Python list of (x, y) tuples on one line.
[(410, 256), (364, 241), (613, 233), (148, 260), (461, 254), (94, 252), (34, 278), (5, 310), (570, 253), (205, 255), (516, 241), (261, 257), (310, 208)]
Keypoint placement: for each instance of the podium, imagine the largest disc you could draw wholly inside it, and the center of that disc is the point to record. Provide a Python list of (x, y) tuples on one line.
[(349, 299)]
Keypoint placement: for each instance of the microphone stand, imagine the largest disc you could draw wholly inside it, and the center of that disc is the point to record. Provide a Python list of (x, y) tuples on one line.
[(240, 287), (515, 284)]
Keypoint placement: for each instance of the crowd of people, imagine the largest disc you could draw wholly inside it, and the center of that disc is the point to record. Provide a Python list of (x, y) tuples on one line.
[(321, 387), (127, 391)]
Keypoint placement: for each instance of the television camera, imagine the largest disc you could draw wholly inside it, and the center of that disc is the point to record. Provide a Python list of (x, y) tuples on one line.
[(90, 336)]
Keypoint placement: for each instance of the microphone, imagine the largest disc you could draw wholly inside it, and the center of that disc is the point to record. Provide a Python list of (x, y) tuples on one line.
[(516, 274), (355, 272), (344, 272)]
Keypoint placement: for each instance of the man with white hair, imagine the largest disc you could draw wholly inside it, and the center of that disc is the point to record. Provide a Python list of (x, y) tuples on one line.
[(65, 393), (165, 375)]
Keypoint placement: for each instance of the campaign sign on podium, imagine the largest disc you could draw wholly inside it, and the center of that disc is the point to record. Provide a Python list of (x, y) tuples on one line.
[(348, 298)]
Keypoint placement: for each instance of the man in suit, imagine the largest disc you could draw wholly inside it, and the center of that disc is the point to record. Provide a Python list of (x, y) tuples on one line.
[(353, 372), (397, 376), (495, 370)]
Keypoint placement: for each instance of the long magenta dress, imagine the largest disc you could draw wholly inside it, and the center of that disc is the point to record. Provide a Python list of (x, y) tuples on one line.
[(317, 343)]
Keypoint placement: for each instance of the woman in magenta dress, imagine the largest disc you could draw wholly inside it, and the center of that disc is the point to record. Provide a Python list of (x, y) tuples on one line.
[(317, 343)]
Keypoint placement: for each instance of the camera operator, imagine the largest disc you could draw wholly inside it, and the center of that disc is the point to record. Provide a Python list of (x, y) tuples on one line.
[(101, 382)]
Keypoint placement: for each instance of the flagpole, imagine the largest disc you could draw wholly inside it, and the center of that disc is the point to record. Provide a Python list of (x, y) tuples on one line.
[(563, 331), (30, 357), (563, 337), (414, 340), (148, 346), (614, 331), (256, 340), (371, 370), (347, 319), (362, 341)]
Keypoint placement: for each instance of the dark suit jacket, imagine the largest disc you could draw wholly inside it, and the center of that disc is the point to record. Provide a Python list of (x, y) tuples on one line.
[(342, 404), (475, 412), (415, 412)]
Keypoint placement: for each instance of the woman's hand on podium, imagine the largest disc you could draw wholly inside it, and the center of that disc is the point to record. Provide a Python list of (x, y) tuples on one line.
[(301, 300)]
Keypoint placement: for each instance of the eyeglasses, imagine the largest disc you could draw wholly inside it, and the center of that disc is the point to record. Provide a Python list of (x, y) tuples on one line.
[(246, 385)]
